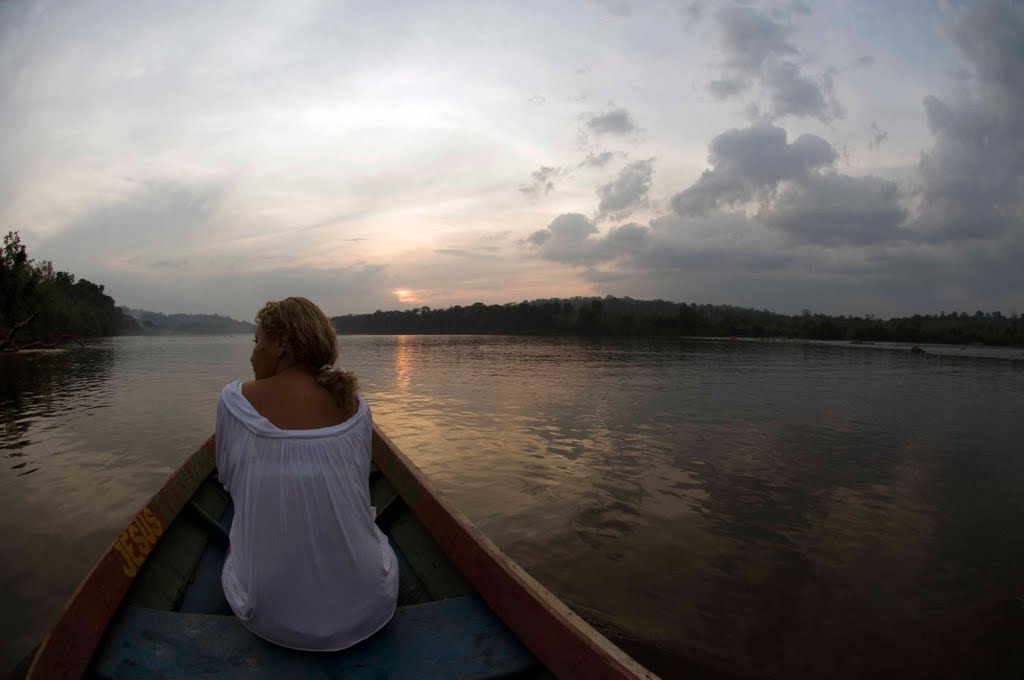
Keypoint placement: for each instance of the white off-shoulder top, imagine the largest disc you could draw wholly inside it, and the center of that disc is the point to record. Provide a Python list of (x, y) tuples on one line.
[(308, 568)]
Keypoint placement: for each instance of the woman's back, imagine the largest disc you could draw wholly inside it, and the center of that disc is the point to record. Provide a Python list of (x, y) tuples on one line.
[(308, 568), (293, 400)]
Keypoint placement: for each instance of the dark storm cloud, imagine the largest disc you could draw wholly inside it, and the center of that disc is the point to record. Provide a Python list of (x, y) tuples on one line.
[(747, 163), (541, 181), (671, 245), (627, 192), (666, 247), (757, 49), (833, 209), (615, 122), (973, 177)]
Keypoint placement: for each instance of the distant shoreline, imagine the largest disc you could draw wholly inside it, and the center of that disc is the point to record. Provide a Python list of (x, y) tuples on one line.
[(628, 317), (736, 338)]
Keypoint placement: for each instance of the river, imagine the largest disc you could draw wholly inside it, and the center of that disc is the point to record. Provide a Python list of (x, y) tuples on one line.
[(770, 509)]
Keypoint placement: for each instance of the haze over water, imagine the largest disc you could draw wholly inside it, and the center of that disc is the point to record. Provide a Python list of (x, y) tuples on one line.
[(774, 509)]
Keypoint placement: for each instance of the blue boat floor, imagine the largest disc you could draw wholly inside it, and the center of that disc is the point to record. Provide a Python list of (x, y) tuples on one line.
[(455, 638)]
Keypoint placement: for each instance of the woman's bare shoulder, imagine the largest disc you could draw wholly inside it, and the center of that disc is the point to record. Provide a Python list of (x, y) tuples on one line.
[(253, 391)]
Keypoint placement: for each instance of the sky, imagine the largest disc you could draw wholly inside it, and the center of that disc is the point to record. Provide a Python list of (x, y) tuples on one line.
[(838, 156)]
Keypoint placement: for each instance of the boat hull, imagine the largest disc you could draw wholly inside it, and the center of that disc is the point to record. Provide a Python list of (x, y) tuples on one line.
[(148, 582)]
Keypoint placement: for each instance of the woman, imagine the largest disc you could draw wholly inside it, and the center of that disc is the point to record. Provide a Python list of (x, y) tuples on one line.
[(307, 568)]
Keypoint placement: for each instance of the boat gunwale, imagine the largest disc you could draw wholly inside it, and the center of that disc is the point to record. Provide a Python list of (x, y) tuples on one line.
[(69, 646), (566, 644)]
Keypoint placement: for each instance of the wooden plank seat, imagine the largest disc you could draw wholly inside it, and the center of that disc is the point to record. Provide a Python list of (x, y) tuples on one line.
[(454, 638)]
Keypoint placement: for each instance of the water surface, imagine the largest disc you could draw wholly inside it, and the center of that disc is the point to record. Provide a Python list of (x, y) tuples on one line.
[(744, 508)]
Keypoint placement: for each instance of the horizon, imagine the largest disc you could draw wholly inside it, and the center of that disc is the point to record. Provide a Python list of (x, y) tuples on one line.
[(369, 158), (1010, 314)]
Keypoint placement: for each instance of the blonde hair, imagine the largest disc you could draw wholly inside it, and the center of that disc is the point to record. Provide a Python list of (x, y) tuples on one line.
[(307, 333)]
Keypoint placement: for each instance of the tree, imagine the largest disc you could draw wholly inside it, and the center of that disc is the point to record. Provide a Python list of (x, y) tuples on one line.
[(19, 283), (50, 306)]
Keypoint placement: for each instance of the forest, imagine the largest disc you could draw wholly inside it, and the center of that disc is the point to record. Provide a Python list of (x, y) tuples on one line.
[(41, 306), (628, 317)]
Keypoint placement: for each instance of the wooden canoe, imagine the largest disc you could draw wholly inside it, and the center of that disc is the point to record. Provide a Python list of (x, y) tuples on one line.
[(152, 605)]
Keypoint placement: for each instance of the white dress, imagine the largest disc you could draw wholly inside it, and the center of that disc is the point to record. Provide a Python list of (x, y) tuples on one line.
[(308, 568)]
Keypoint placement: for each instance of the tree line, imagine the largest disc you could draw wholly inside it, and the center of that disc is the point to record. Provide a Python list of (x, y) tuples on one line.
[(43, 306), (628, 317)]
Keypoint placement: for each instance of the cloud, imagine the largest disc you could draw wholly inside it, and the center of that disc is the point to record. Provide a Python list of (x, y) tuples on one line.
[(693, 11), (462, 252), (878, 135), (627, 192), (567, 228), (572, 239), (630, 239), (799, 194), (724, 88), (973, 176), (541, 181), (564, 240), (618, 8), (748, 38), (834, 209), (211, 287), (601, 159), (179, 263), (735, 258), (248, 113), (793, 93), (669, 248), (724, 242), (757, 49), (798, 7), (749, 163), (151, 221), (615, 122)]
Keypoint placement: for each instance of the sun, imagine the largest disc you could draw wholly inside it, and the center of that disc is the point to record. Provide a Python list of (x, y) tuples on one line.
[(405, 296)]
